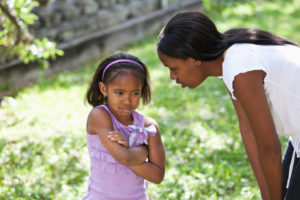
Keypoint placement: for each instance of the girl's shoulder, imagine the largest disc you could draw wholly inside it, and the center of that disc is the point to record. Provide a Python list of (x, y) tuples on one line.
[(98, 116), (99, 111), (148, 121)]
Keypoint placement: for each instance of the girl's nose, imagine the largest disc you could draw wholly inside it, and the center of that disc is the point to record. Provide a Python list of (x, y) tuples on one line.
[(127, 99)]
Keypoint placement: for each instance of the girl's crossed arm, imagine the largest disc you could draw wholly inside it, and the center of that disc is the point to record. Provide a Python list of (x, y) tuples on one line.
[(152, 170), (100, 123)]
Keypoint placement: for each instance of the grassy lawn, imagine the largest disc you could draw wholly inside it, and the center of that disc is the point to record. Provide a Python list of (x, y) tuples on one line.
[(43, 152)]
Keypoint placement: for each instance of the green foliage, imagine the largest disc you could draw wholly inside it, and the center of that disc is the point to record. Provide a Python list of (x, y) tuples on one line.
[(279, 17), (32, 168), (220, 4), (15, 39), (43, 151)]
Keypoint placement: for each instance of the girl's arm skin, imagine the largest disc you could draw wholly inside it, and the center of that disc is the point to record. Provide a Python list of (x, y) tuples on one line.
[(250, 146), (100, 123), (152, 170), (262, 142)]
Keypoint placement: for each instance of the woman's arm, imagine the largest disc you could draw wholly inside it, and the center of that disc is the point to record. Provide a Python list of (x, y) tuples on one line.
[(152, 170), (99, 122), (250, 146), (250, 93)]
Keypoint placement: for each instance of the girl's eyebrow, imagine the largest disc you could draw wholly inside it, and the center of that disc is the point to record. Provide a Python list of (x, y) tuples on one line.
[(118, 89), (137, 90)]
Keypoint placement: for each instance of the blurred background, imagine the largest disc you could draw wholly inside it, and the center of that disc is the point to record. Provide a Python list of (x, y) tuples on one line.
[(49, 52)]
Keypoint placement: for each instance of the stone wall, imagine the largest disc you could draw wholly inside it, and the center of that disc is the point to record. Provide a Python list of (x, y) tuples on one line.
[(85, 29), (64, 20)]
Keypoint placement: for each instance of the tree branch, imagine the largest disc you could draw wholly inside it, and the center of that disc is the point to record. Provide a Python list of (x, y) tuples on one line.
[(14, 20)]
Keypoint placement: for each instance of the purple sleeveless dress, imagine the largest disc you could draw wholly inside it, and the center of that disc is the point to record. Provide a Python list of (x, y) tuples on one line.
[(110, 180)]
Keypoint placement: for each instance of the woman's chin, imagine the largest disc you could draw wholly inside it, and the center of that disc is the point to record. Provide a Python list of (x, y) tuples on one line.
[(192, 86)]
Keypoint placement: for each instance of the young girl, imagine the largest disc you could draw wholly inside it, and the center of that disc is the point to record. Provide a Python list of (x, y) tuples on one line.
[(262, 74), (119, 139)]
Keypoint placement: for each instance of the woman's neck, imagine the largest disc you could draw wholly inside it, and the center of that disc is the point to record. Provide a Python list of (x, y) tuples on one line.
[(214, 67)]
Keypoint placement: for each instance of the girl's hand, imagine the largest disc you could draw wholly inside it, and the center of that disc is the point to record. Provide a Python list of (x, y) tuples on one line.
[(116, 136)]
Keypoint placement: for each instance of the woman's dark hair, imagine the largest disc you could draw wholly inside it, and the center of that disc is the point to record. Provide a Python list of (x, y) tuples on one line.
[(95, 97), (193, 34)]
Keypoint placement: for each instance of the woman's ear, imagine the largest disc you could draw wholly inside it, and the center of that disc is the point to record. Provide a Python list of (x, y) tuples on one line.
[(194, 61), (103, 89), (198, 62)]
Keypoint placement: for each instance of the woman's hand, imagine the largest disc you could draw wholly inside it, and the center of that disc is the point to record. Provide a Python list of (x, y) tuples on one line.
[(116, 136)]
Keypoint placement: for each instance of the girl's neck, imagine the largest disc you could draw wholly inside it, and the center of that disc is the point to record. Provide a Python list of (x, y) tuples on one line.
[(125, 120)]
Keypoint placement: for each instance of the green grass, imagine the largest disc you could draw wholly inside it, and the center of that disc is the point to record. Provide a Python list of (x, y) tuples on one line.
[(43, 152)]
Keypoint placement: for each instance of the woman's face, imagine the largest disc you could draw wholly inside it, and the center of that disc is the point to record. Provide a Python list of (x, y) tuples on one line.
[(188, 73)]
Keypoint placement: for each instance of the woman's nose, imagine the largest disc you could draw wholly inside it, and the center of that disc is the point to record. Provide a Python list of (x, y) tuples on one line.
[(172, 75)]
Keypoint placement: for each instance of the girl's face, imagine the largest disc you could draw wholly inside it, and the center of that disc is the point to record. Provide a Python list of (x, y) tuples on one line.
[(188, 73), (123, 96)]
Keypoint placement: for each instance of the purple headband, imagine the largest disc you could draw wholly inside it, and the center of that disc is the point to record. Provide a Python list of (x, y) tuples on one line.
[(119, 61)]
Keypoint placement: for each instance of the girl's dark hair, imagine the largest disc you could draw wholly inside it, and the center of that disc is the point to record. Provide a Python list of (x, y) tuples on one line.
[(193, 34), (95, 97)]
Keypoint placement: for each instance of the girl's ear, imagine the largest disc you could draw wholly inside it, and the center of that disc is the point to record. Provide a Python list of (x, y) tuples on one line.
[(103, 89)]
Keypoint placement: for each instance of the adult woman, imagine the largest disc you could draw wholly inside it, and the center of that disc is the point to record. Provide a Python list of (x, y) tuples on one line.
[(262, 74)]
